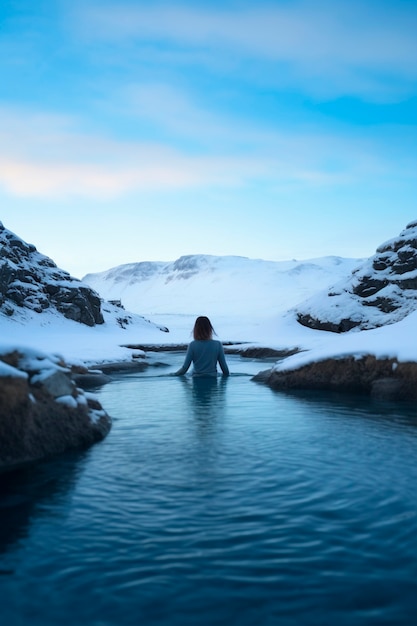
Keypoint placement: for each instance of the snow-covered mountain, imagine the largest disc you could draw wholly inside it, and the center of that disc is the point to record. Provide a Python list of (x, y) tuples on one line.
[(383, 290), (218, 285)]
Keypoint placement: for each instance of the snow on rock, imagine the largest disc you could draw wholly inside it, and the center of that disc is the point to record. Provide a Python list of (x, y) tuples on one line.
[(31, 281), (6, 371), (386, 378), (42, 411), (381, 291)]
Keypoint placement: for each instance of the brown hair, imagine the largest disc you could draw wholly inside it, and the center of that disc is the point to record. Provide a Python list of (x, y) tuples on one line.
[(203, 329)]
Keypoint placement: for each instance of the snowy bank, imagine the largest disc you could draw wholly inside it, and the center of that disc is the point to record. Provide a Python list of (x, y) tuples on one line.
[(380, 378), (381, 362)]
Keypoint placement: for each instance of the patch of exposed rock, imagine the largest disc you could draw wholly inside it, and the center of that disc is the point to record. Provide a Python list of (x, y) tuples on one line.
[(249, 352), (383, 378), (260, 352), (31, 280), (42, 411), (381, 291)]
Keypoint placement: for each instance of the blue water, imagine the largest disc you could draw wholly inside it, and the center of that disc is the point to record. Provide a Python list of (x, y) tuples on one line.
[(219, 503)]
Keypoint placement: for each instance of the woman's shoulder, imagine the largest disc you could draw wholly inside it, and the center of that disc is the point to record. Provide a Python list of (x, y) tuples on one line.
[(211, 342)]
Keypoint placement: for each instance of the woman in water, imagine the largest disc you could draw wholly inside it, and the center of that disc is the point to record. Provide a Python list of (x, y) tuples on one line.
[(204, 352)]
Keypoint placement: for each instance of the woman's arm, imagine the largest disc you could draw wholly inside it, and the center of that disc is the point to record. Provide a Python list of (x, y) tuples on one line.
[(187, 362), (222, 360)]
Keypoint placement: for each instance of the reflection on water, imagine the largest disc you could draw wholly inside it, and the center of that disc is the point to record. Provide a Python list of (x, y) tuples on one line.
[(218, 501), (27, 492), (206, 399)]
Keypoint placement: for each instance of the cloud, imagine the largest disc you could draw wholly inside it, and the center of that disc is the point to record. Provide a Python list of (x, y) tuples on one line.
[(158, 171), (291, 146), (51, 156), (43, 156), (47, 156), (357, 46)]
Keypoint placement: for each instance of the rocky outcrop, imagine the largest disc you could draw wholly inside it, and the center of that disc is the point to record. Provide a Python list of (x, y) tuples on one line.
[(382, 378), (259, 352), (30, 280), (42, 411), (381, 291)]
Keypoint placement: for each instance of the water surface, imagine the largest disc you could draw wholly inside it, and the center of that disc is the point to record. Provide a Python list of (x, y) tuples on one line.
[(218, 502)]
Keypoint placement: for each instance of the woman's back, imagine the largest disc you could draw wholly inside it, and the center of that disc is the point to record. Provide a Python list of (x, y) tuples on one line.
[(205, 354)]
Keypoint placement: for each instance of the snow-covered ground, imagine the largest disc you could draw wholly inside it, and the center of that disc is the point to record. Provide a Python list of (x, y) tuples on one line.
[(267, 320)]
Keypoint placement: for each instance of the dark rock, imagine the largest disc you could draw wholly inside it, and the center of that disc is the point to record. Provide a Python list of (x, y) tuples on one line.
[(386, 378), (407, 284), (124, 366), (368, 286), (388, 389), (56, 382), (91, 380), (382, 291), (147, 347), (342, 326), (386, 305), (259, 352), (42, 412), (31, 280)]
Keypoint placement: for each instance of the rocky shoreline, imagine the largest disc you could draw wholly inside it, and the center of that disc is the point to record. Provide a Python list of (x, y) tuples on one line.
[(382, 378), (386, 379), (100, 373), (46, 409), (245, 350), (43, 412)]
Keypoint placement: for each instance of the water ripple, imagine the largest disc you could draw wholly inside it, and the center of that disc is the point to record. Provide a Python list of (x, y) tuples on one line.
[(241, 506)]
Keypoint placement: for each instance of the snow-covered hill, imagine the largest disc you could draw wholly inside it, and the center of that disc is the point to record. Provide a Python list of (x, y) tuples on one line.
[(383, 290), (218, 286), (31, 281)]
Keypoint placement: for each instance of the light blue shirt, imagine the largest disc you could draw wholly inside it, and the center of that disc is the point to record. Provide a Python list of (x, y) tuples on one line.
[(204, 354)]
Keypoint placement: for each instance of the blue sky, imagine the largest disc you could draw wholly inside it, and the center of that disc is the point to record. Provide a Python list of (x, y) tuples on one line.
[(135, 131)]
